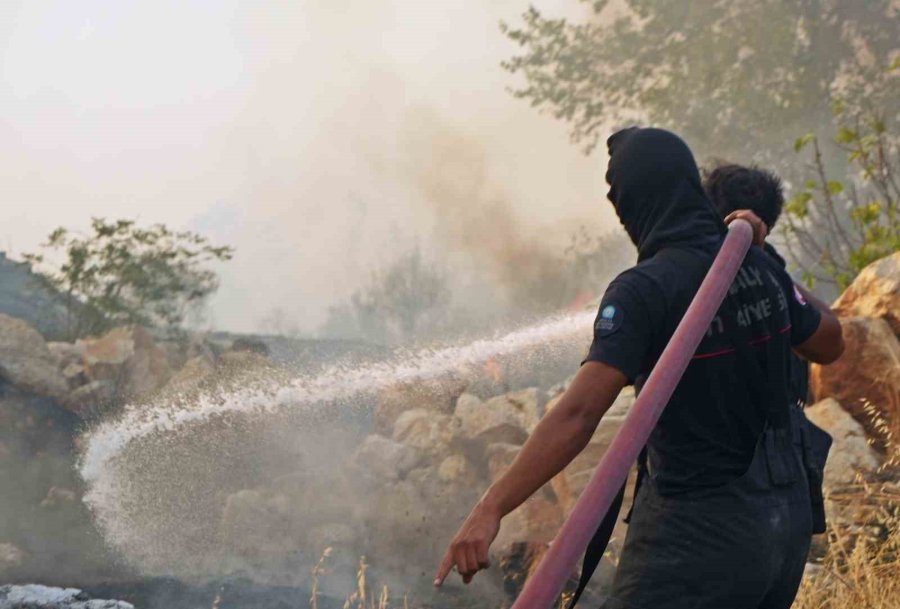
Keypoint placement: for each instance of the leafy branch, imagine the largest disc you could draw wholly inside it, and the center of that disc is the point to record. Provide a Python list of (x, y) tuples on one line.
[(121, 273)]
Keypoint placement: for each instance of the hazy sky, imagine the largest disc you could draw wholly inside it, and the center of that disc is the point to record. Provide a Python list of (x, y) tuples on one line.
[(297, 131)]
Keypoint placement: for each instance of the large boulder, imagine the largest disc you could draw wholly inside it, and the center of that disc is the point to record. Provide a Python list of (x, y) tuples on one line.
[(69, 358), (867, 372), (455, 469), (104, 355), (851, 453), (25, 360), (507, 418), (384, 459), (438, 394), (128, 357), (428, 432), (34, 596), (874, 293)]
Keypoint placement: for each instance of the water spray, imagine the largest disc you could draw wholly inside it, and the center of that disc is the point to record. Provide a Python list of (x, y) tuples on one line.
[(546, 583), (333, 388)]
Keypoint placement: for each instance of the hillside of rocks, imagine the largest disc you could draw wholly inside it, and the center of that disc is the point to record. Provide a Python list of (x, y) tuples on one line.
[(431, 450)]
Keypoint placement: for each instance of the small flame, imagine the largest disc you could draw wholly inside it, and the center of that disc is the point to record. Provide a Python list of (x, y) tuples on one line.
[(580, 301), (494, 369)]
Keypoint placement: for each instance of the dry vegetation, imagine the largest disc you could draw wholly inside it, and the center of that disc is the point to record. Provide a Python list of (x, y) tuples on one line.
[(861, 566), (361, 598)]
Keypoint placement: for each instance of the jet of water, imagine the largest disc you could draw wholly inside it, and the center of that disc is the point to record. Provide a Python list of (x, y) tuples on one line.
[(110, 439)]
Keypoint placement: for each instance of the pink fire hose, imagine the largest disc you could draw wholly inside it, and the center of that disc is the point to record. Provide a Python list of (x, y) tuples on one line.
[(546, 583)]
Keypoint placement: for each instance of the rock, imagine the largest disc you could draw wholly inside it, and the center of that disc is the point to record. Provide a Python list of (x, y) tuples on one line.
[(525, 402), (148, 369), (34, 596), (812, 570), (456, 470), (191, 376), (504, 419), (128, 357), (11, 556), (385, 459), (874, 293), (850, 453), (66, 353), (868, 371), (74, 374), (92, 400), (427, 431), (438, 395), (104, 355), (25, 360)]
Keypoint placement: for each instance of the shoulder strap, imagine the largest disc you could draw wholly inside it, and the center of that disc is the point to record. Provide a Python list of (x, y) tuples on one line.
[(597, 547)]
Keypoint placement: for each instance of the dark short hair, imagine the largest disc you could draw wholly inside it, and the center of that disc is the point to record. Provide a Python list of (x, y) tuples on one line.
[(732, 187)]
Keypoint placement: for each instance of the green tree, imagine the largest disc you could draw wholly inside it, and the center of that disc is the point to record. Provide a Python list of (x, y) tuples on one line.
[(121, 273), (835, 227), (733, 77)]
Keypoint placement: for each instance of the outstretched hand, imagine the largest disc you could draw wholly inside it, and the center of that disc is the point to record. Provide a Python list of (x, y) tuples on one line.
[(468, 551), (760, 230)]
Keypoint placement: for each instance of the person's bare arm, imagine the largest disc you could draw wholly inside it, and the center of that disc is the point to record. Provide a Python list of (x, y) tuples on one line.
[(827, 342), (557, 439)]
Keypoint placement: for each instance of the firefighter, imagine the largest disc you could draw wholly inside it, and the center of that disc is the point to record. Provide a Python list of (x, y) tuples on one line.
[(723, 518)]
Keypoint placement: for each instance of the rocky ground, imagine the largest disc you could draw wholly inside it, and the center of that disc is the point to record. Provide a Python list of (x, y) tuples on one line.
[(431, 450)]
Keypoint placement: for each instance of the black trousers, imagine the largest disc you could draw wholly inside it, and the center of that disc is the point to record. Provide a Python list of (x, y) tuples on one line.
[(741, 546)]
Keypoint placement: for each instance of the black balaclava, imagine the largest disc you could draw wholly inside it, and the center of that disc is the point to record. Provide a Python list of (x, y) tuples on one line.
[(655, 187)]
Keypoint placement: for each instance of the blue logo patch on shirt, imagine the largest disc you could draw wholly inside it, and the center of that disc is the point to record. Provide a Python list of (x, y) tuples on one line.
[(609, 320)]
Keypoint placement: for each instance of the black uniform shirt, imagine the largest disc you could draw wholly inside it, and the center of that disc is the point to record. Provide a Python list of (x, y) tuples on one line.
[(708, 431)]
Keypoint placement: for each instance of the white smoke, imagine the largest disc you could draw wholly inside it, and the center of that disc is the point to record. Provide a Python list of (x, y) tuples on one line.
[(282, 128)]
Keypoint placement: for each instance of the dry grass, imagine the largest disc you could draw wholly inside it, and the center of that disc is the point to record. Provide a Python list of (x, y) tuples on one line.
[(363, 598), (318, 570), (861, 567)]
